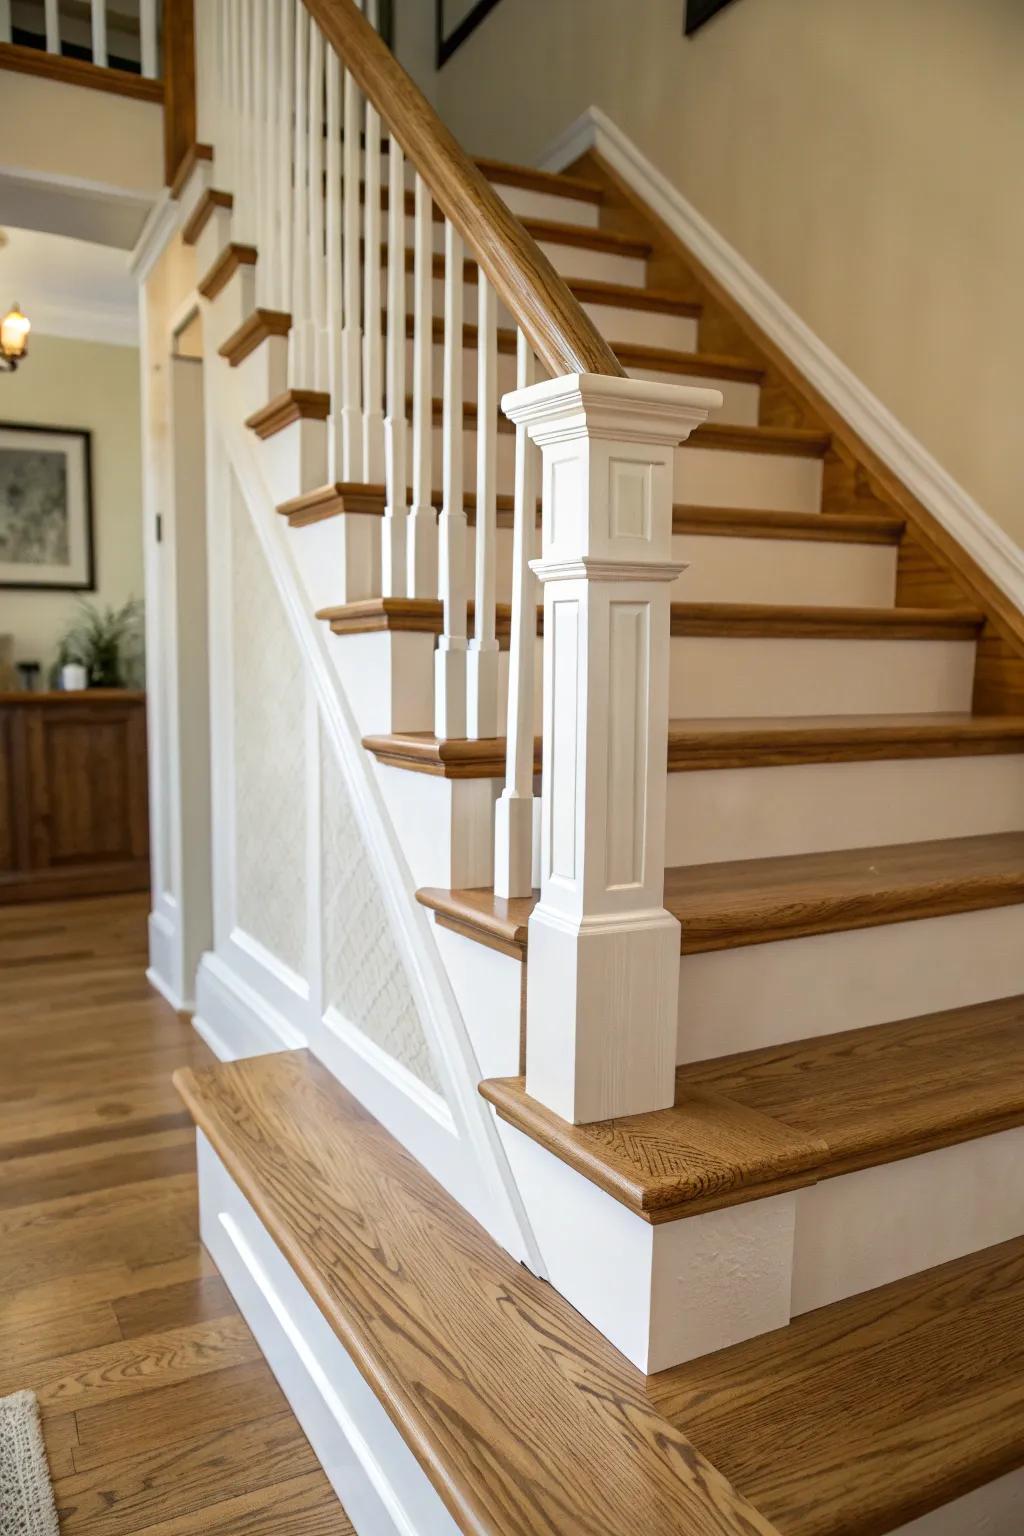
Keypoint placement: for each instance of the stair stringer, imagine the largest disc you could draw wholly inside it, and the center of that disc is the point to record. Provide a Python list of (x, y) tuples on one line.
[(455, 1137)]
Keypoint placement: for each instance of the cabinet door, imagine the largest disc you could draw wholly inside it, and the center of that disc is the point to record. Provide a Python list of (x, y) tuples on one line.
[(87, 785)]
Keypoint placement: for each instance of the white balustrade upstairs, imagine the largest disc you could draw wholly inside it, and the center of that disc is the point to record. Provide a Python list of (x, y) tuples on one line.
[(371, 228), (110, 37)]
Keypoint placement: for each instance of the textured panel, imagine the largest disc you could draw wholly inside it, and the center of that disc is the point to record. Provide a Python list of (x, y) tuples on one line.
[(270, 756), (364, 977)]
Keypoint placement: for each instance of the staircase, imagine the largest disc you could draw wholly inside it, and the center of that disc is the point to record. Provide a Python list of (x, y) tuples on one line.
[(703, 745)]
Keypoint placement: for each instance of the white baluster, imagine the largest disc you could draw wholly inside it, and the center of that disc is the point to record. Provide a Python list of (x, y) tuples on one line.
[(335, 313), (270, 239), (482, 666), (258, 116), (373, 416), (243, 156), (147, 29), (317, 292), (352, 337), (393, 548), (51, 16), (513, 825), (421, 551), (300, 349), (5, 21), (450, 656), (99, 32), (286, 146)]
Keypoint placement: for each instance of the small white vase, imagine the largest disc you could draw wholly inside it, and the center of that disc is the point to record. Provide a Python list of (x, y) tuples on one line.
[(74, 677)]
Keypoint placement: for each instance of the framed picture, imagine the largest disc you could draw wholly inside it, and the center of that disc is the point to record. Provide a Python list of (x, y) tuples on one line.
[(455, 21), (46, 523), (700, 11)]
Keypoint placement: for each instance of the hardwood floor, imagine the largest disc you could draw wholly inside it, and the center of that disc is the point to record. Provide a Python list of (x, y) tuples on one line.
[(160, 1415)]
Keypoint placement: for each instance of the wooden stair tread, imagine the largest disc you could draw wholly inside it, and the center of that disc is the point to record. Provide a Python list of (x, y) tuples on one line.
[(588, 290), (489, 1375), (700, 745), (558, 183), (752, 1124), (762, 901), (611, 241), (696, 620), (866, 1414), (752, 522)]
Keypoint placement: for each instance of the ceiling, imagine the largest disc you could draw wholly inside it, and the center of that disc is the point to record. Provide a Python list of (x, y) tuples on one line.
[(69, 287)]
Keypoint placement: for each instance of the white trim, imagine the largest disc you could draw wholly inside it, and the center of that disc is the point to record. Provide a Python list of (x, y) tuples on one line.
[(234, 1018), (159, 229), (158, 984), (394, 1072), (977, 532), (111, 324)]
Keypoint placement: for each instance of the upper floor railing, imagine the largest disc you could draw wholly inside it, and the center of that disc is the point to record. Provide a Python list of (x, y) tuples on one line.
[(124, 36), (404, 277)]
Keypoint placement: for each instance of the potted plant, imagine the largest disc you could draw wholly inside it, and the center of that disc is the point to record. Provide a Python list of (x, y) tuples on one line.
[(102, 641)]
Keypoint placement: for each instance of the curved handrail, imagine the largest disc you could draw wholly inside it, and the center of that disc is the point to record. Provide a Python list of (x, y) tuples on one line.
[(557, 327)]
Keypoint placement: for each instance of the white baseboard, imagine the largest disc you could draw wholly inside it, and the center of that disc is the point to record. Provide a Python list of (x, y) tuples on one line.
[(979, 535), (234, 1019), (383, 1488), (159, 984)]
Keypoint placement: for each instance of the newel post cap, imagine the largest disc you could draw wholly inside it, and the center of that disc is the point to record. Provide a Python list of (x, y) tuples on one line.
[(604, 405)]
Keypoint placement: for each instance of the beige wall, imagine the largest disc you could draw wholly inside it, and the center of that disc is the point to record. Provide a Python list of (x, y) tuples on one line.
[(51, 129), (865, 156), (82, 384)]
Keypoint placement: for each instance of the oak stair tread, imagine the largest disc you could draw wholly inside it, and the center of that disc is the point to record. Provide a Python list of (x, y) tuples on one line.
[(700, 745), (864, 1415), (489, 1375), (696, 620), (558, 183), (783, 1116), (611, 241), (740, 902)]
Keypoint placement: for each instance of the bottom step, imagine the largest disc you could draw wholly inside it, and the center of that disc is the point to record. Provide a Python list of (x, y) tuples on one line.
[(868, 1414)]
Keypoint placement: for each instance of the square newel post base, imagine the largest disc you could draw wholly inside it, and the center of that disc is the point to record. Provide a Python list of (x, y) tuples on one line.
[(603, 954)]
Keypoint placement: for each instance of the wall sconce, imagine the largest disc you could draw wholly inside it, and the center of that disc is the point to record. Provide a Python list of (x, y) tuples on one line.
[(14, 329)]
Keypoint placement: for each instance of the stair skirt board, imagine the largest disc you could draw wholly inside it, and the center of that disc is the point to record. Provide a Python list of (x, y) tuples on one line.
[(770, 994), (716, 815), (683, 1289), (378, 1480)]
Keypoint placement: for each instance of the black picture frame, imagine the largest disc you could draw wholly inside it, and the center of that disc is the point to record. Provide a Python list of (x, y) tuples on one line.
[(700, 11), (448, 44), (84, 579)]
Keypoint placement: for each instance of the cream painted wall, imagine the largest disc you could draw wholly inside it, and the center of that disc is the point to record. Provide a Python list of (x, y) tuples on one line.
[(51, 129), (865, 157), (82, 384)]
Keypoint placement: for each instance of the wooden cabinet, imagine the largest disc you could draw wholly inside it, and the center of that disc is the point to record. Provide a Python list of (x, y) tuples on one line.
[(73, 800)]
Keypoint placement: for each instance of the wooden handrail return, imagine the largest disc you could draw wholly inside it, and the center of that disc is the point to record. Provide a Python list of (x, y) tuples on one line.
[(559, 329)]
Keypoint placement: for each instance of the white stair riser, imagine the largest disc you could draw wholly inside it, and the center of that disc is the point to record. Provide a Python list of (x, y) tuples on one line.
[(295, 459), (784, 571), (216, 233), (880, 1224), (645, 328), (598, 266), (741, 401), (527, 204), (758, 813), (766, 994), (723, 677), (234, 303), (764, 482)]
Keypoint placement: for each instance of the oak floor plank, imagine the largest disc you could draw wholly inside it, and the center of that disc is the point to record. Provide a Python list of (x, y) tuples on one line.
[(158, 1410), (175, 1479)]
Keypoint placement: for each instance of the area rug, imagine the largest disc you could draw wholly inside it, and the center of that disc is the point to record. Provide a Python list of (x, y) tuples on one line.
[(26, 1498)]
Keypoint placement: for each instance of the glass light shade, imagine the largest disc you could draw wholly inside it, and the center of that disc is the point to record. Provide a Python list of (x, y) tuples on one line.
[(14, 329)]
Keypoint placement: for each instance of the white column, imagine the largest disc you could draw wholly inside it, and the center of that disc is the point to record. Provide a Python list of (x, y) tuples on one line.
[(603, 975)]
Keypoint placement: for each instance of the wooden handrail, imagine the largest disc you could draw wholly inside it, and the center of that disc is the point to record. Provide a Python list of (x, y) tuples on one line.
[(559, 330)]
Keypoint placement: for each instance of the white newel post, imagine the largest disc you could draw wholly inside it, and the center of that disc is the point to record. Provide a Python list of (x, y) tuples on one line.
[(603, 977)]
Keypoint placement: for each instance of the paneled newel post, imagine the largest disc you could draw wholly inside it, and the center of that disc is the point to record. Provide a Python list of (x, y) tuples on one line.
[(603, 976)]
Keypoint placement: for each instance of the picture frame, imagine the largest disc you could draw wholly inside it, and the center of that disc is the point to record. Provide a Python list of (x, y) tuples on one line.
[(47, 540), (700, 11), (455, 20)]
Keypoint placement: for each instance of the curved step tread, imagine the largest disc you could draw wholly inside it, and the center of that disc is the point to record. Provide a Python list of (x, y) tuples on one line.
[(862, 1416), (794, 896), (523, 1417), (753, 1124)]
